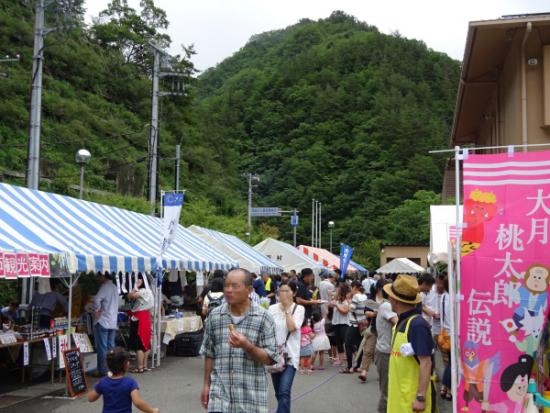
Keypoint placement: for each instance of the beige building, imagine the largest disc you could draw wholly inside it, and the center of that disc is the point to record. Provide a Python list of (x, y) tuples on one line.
[(415, 253), (504, 90)]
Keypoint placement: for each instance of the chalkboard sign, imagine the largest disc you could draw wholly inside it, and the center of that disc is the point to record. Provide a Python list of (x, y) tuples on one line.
[(76, 377)]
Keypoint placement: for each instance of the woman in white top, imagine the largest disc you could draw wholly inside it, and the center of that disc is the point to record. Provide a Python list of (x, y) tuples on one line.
[(140, 323), (340, 319), (288, 318)]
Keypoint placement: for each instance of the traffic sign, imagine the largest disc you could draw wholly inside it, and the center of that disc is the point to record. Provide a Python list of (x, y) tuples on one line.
[(294, 220), (265, 212)]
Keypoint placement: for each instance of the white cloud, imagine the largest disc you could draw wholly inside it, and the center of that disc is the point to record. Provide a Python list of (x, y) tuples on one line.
[(218, 28)]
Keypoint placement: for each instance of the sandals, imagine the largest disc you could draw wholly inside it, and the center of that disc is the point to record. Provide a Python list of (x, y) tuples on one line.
[(346, 371), (137, 371)]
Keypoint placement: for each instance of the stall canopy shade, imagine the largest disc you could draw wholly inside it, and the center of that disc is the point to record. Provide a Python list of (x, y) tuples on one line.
[(95, 237), (289, 257), (442, 229), (238, 250), (400, 266), (328, 259)]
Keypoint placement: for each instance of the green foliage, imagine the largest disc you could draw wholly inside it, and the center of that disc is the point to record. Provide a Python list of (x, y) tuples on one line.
[(337, 111), (409, 223), (330, 109), (96, 95)]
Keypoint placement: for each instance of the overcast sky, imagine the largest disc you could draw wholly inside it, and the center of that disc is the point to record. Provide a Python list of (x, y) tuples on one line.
[(218, 28)]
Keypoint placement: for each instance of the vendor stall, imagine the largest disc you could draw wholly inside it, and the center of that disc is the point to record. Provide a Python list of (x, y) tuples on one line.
[(45, 234)]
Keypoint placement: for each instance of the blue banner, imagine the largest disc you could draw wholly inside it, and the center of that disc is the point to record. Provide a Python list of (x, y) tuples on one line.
[(173, 199), (345, 257)]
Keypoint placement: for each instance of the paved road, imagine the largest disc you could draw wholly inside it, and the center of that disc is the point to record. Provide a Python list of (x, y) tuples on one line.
[(175, 387)]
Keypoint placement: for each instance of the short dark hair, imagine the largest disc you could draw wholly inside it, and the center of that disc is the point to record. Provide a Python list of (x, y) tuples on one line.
[(358, 285), (142, 276), (218, 274), (426, 279), (291, 284), (248, 276), (217, 285), (306, 272), (116, 360)]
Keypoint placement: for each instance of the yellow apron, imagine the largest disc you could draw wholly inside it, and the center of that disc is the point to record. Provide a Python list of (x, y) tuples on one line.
[(403, 376)]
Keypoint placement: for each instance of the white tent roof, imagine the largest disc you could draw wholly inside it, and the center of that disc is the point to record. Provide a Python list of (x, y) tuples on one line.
[(238, 250), (287, 256), (400, 266), (442, 226)]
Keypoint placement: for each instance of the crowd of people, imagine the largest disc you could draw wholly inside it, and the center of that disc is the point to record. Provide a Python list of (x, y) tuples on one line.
[(285, 324)]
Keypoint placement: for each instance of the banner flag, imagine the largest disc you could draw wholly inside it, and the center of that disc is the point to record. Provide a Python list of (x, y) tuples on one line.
[(504, 278), (345, 257), (23, 265), (172, 209)]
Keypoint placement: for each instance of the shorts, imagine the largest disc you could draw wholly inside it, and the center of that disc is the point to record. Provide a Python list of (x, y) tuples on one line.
[(306, 351)]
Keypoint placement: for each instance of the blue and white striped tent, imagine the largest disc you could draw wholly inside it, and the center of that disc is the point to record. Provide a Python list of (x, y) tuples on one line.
[(95, 237), (238, 250)]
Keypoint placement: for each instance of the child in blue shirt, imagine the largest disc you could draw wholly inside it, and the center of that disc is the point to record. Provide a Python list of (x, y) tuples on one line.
[(118, 391)]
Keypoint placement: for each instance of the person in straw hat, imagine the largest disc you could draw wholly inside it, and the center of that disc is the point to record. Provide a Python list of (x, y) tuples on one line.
[(411, 359)]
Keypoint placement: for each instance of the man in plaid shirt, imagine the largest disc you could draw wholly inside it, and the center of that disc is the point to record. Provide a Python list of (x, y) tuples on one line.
[(239, 339)]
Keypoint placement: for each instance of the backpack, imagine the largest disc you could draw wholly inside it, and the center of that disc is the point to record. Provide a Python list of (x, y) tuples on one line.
[(214, 302)]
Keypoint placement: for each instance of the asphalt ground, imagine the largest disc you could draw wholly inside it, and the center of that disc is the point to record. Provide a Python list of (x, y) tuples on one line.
[(176, 386)]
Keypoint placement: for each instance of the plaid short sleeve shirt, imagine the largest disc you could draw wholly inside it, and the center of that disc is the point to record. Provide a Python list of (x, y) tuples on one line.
[(239, 384)]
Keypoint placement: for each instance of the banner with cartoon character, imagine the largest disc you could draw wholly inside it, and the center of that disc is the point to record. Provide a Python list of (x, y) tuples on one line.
[(504, 278)]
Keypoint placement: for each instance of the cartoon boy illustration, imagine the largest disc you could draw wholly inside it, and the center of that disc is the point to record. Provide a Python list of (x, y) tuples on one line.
[(513, 381), (479, 208)]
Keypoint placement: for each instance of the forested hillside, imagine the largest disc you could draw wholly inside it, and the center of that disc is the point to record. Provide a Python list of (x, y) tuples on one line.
[(337, 111), (97, 95), (330, 109)]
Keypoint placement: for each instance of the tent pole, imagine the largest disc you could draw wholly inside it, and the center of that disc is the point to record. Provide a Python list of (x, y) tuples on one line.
[(154, 344), (159, 318), (454, 284)]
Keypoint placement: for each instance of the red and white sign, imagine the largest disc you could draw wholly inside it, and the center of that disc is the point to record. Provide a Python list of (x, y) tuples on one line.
[(23, 265)]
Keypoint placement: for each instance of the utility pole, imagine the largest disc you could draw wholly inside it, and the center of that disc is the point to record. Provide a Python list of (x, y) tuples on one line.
[(249, 222), (294, 227), (33, 166), (177, 168), (153, 138), (313, 222), (320, 243), (158, 54), (40, 32)]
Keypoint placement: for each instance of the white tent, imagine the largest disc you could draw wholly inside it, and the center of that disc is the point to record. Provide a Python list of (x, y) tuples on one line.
[(238, 250), (287, 256), (442, 228), (400, 266)]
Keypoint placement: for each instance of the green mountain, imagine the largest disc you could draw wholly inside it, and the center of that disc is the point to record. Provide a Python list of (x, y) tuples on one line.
[(337, 111), (330, 109)]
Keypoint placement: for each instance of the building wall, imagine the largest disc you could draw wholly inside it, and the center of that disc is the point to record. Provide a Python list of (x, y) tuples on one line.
[(418, 254), (505, 127)]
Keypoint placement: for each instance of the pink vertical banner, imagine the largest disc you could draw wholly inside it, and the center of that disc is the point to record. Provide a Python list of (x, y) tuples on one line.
[(504, 279), (10, 265), (2, 275)]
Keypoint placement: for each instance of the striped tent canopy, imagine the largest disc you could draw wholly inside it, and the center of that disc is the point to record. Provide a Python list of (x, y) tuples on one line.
[(86, 236), (330, 260), (238, 250)]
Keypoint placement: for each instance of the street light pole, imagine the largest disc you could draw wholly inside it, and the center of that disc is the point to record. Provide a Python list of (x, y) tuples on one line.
[(153, 139), (249, 223), (83, 157)]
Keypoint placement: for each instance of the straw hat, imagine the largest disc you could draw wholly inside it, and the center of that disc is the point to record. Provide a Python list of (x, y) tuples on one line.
[(404, 289)]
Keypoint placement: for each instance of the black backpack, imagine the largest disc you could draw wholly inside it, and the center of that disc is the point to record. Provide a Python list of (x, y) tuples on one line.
[(214, 302)]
